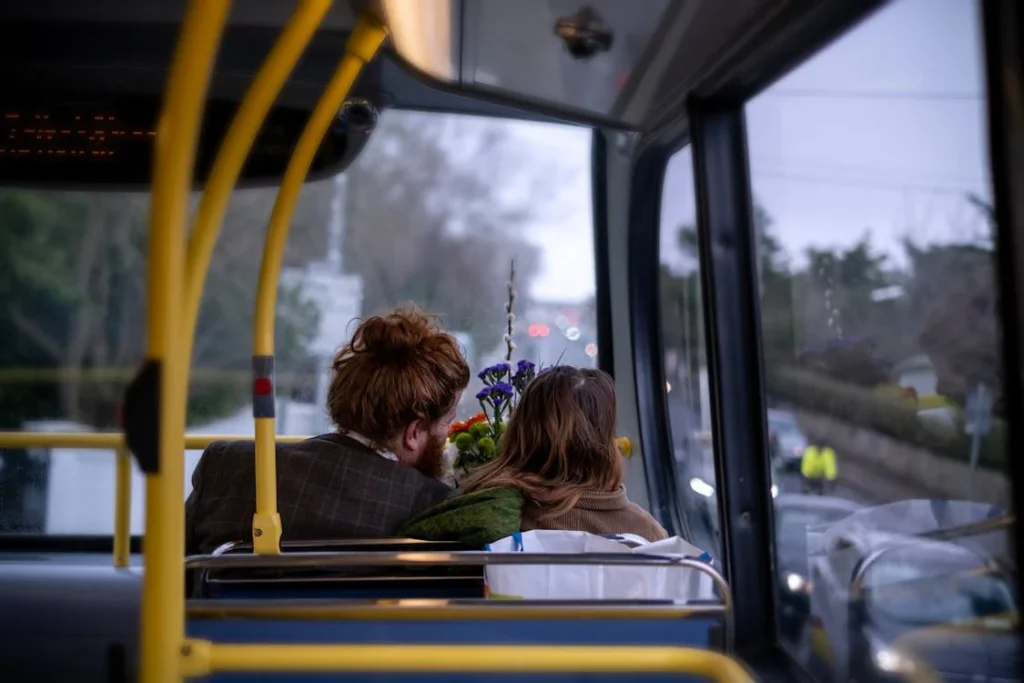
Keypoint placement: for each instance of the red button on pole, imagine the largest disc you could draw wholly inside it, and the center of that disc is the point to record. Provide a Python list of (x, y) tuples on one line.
[(261, 386)]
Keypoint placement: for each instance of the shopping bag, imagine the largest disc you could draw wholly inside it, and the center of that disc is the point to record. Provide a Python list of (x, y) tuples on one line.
[(596, 581)]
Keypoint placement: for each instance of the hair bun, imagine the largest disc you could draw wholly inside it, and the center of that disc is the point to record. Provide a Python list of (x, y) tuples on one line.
[(396, 335)]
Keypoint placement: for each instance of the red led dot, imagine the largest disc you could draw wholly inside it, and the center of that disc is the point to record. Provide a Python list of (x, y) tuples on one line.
[(261, 386)]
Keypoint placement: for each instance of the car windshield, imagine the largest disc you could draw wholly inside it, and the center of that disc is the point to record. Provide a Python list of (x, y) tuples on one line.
[(793, 523), (915, 594), (785, 430)]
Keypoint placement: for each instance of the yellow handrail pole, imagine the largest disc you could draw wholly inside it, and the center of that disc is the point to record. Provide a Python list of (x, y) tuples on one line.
[(203, 658), (362, 45), (227, 166), (122, 507), (163, 594)]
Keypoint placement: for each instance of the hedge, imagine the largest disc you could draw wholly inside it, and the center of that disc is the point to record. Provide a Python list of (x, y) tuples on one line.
[(882, 413)]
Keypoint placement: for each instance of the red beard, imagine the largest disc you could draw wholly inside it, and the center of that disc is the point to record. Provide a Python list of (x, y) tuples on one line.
[(431, 461)]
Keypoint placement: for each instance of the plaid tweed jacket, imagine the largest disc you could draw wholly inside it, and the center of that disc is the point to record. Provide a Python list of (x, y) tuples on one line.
[(328, 487)]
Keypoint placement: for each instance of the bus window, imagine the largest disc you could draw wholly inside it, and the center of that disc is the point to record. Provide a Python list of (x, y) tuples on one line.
[(874, 215), (685, 362), (433, 212)]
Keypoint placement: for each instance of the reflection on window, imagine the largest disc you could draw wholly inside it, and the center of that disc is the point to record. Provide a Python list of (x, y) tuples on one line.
[(432, 213), (881, 341), (682, 333)]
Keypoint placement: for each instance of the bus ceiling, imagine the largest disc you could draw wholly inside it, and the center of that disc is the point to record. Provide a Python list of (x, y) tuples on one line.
[(602, 63)]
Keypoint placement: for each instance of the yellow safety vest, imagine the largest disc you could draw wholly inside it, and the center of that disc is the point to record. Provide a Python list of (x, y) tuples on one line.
[(818, 463)]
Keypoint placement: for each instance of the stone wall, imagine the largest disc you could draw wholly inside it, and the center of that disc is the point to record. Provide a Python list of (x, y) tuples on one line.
[(886, 470)]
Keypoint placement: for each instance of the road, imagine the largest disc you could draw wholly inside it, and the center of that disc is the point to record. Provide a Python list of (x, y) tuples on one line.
[(789, 482)]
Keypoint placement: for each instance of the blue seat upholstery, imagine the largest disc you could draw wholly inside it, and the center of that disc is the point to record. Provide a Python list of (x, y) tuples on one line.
[(68, 616), (74, 617), (695, 631), (692, 632)]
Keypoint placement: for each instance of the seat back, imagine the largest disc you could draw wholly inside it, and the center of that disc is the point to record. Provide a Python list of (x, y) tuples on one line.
[(68, 616), (355, 582), (486, 623)]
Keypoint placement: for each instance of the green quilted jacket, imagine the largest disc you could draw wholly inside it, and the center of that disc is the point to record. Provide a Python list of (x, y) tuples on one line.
[(474, 519)]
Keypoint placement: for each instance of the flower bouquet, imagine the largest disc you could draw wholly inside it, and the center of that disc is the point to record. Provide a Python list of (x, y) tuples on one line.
[(474, 441)]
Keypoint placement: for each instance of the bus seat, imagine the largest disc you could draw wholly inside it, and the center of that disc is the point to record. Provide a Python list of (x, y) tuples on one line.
[(462, 628), (67, 616), (74, 617), (358, 583), (487, 625)]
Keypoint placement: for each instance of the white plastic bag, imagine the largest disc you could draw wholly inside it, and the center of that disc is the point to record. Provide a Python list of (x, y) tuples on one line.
[(596, 581)]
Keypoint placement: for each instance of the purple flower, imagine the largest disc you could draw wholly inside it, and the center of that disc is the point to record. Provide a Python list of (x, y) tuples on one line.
[(483, 393), (524, 366), (502, 390), (496, 369)]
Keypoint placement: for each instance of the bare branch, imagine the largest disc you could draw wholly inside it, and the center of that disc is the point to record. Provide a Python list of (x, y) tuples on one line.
[(37, 335)]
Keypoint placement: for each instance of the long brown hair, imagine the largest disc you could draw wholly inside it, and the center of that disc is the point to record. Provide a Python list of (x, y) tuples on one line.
[(398, 368), (560, 442)]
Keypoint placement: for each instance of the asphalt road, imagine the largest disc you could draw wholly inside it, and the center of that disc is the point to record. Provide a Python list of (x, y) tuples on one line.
[(789, 482)]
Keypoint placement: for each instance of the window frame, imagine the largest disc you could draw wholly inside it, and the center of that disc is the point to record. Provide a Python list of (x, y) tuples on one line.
[(714, 123), (1002, 32)]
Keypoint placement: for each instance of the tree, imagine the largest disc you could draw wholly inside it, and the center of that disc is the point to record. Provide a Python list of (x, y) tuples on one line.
[(958, 322), (430, 220), (846, 280), (32, 286), (73, 287), (682, 308)]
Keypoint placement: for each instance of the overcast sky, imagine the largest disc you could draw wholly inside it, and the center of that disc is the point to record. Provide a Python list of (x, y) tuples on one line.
[(883, 131)]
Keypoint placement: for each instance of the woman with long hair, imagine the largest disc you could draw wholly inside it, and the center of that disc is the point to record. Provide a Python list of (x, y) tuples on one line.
[(557, 467)]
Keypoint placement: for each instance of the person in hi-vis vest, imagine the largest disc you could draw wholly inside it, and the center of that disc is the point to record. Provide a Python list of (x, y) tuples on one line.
[(818, 466)]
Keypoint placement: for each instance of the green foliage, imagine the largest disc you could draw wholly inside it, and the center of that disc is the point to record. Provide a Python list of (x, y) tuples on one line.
[(830, 340), (852, 361), (72, 287), (877, 412)]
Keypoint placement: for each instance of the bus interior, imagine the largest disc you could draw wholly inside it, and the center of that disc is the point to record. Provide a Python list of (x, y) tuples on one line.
[(778, 225)]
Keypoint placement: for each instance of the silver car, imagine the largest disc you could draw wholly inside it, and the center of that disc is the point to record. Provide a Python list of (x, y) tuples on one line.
[(792, 442)]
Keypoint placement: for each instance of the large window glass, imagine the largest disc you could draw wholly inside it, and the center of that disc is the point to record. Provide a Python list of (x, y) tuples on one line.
[(434, 212), (881, 341), (682, 330)]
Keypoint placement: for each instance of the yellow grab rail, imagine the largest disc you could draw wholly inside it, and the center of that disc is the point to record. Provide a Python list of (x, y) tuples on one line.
[(114, 440), (122, 507), (163, 597), (123, 469), (362, 45), (248, 120), (202, 658)]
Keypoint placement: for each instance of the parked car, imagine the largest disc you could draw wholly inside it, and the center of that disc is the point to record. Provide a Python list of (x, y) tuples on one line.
[(696, 470), (799, 522), (784, 430), (888, 602)]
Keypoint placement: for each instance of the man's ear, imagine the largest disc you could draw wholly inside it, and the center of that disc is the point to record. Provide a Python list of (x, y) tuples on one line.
[(413, 434)]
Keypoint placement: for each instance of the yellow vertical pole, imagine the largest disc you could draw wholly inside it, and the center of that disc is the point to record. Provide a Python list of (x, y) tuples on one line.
[(163, 592), (362, 45), (122, 507)]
